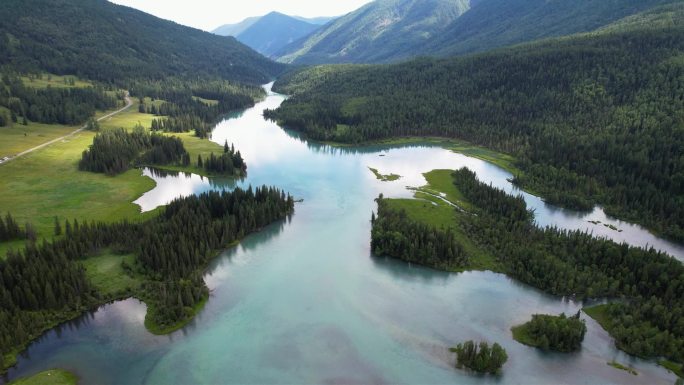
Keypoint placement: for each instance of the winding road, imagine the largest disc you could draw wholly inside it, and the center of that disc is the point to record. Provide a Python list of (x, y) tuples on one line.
[(129, 103)]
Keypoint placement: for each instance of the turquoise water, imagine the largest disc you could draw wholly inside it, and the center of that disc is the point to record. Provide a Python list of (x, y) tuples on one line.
[(305, 302)]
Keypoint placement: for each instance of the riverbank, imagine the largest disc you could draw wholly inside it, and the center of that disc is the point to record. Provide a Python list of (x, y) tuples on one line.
[(442, 204)]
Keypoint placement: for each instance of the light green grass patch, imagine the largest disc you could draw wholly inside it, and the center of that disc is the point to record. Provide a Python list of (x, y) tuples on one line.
[(208, 102), (48, 377), (106, 272), (47, 183), (128, 119), (435, 212), (521, 334), (55, 81), (619, 366), (18, 138)]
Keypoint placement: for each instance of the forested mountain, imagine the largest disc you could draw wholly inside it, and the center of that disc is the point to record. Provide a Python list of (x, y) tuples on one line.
[(497, 23), (391, 30), (270, 33), (380, 31), (596, 118), (98, 40)]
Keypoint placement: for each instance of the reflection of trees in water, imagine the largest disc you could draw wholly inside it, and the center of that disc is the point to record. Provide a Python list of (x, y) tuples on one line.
[(323, 148), (249, 243), (216, 183), (409, 272)]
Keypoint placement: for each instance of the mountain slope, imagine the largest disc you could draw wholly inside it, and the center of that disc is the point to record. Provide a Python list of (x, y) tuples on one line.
[(380, 31), (321, 20), (237, 28), (99, 40), (592, 118), (497, 23), (274, 31)]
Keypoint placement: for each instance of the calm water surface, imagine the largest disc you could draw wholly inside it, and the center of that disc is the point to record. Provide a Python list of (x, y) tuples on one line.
[(304, 301)]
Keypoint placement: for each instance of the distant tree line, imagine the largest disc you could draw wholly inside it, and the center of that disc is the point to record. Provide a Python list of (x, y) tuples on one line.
[(69, 106), (115, 150), (591, 119), (46, 283), (184, 111)]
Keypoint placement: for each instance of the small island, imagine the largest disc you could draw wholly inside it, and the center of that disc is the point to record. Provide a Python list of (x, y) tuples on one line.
[(548, 332), (480, 357), (619, 366), (384, 178)]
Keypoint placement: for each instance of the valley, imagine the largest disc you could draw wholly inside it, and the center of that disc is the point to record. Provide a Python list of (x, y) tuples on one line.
[(442, 191)]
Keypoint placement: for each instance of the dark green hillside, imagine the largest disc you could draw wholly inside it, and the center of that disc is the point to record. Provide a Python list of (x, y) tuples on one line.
[(379, 31), (595, 118), (98, 40), (497, 23)]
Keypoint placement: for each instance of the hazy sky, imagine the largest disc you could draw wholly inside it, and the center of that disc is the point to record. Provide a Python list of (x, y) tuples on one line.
[(209, 14)]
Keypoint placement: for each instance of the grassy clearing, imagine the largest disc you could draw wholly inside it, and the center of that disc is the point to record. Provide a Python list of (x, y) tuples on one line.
[(18, 137), (208, 102), (433, 211), (55, 81), (600, 314), (619, 366), (106, 272), (384, 178), (521, 334), (48, 377)]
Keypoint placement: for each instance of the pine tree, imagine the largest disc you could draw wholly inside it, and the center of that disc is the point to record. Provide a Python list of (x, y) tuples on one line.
[(58, 227)]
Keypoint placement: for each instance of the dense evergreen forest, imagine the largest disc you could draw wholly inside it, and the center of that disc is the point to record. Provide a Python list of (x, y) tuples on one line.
[(228, 163), (115, 150), (595, 118), (559, 333), (70, 106), (396, 235), (112, 44), (480, 357), (46, 283), (648, 321)]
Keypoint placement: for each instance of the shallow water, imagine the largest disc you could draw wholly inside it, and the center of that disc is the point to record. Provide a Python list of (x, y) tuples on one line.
[(305, 302)]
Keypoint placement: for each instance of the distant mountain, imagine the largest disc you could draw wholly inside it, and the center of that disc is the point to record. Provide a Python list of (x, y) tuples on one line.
[(99, 40), (272, 32), (237, 28), (316, 20), (383, 30), (393, 30)]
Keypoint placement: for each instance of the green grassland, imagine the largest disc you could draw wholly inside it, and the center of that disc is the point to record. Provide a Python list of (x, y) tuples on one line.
[(18, 138), (428, 209), (106, 272), (48, 377), (521, 335)]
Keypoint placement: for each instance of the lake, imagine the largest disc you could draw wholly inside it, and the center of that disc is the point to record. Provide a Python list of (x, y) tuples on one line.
[(304, 301)]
